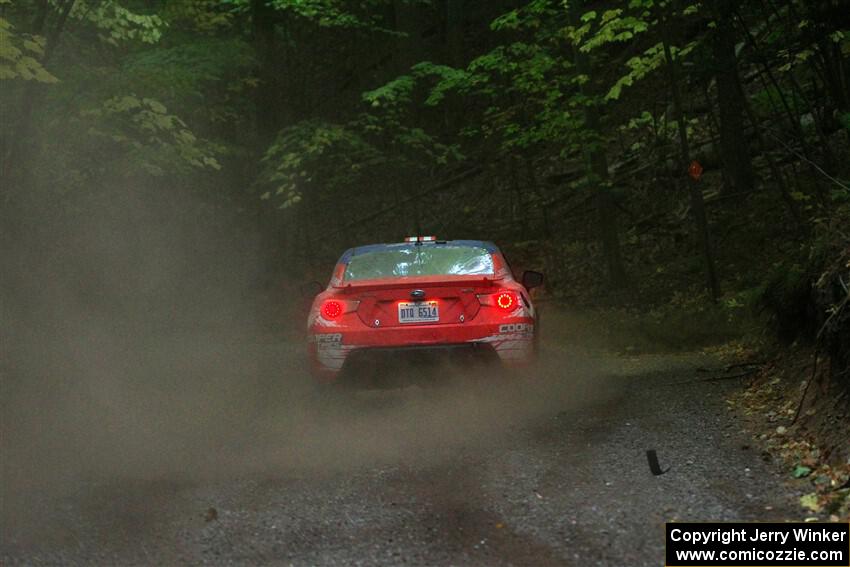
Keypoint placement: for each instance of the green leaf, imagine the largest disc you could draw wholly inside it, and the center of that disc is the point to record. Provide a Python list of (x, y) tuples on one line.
[(801, 471), (810, 502)]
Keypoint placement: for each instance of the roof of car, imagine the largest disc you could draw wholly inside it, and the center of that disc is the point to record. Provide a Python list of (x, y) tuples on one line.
[(351, 252)]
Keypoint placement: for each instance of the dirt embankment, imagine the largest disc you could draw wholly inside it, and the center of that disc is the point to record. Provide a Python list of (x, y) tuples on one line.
[(800, 417)]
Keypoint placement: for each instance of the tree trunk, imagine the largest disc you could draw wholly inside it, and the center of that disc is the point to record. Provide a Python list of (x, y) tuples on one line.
[(734, 149), (16, 154), (266, 100), (769, 80), (697, 202), (454, 33), (410, 19), (597, 163)]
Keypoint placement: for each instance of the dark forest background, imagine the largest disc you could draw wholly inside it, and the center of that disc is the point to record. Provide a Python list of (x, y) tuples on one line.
[(688, 160)]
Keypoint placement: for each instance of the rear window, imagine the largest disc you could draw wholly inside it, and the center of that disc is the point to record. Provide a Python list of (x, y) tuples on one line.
[(425, 260)]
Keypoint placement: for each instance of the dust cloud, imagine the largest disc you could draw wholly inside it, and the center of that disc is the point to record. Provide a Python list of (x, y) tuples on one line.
[(141, 343)]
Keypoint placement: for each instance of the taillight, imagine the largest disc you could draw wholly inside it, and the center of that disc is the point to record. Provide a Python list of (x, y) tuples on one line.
[(331, 309), (506, 300)]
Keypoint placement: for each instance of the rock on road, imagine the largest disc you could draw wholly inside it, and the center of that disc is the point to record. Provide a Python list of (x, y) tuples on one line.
[(550, 471)]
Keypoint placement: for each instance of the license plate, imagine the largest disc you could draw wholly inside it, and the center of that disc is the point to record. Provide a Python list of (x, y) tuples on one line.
[(418, 312)]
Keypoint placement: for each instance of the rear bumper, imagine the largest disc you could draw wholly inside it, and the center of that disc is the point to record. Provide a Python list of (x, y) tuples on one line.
[(385, 357), (389, 366), (332, 354)]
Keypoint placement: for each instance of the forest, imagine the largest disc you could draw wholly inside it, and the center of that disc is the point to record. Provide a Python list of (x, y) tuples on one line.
[(674, 157), (565, 130), (680, 167)]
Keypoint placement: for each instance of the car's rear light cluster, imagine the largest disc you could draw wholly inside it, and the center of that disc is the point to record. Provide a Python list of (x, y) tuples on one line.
[(334, 308), (331, 309), (505, 300)]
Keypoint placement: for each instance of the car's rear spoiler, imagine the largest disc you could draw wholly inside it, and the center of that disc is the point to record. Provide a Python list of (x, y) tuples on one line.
[(427, 281)]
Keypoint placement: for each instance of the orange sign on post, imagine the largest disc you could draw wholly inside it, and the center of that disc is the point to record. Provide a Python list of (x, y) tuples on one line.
[(695, 170)]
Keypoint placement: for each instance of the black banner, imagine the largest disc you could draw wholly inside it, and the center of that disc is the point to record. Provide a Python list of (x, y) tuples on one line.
[(758, 544)]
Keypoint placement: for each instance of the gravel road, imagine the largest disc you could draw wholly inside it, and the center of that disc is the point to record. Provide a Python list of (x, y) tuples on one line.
[(550, 470)]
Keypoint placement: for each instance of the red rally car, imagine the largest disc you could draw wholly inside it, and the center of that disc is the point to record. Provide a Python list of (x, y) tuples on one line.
[(401, 305)]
